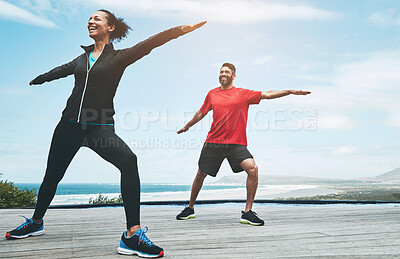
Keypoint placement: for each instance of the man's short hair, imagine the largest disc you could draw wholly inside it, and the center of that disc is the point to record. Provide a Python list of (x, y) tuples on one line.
[(231, 67)]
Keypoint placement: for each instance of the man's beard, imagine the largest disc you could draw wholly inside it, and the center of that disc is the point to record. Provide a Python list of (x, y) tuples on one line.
[(227, 82)]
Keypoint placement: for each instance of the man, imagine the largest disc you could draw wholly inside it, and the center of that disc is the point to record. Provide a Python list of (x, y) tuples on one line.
[(227, 138)]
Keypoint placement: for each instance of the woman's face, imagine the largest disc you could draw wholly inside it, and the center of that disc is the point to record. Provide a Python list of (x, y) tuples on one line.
[(98, 26)]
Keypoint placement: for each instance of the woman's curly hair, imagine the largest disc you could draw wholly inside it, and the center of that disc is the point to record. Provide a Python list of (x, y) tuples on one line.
[(121, 28)]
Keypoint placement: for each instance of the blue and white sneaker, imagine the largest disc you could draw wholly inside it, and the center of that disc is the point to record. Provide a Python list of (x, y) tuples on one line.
[(27, 229), (140, 245)]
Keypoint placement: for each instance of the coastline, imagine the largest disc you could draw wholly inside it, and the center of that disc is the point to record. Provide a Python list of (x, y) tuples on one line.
[(76, 194), (263, 192)]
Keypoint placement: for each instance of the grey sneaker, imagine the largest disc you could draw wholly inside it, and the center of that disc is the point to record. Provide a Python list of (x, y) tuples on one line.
[(186, 213)]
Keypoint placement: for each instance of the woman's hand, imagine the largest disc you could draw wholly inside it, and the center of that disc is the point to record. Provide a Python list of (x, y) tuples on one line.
[(191, 27)]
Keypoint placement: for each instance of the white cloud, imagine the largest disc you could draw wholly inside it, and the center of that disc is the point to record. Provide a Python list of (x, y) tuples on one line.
[(389, 17), (345, 150), (335, 122), (324, 160), (379, 72), (393, 120), (263, 60), (224, 11), (370, 84), (14, 13)]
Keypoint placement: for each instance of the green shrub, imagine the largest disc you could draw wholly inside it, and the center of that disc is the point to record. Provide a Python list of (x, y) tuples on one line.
[(12, 196), (101, 199)]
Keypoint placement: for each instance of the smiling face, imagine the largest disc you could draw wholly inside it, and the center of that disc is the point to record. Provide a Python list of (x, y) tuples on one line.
[(98, 26), (225, 76)]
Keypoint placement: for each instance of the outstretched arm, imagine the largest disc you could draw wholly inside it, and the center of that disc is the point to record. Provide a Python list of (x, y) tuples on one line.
[(56, 73), (277, 94), (196, 118), (143, 48)]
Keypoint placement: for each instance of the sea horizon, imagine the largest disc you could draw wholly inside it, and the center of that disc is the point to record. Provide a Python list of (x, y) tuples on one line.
[(80, 193)]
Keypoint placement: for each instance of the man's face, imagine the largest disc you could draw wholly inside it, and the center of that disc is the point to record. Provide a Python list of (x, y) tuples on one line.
[(225, 76)]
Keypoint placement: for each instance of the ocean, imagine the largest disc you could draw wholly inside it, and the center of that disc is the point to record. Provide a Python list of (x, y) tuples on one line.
[(80, 193)]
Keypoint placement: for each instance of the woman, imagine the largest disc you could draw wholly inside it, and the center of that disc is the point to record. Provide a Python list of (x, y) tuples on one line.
[(88, 121)]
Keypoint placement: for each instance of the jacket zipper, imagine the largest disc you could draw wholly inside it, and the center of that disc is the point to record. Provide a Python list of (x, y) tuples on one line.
[(87, 76)]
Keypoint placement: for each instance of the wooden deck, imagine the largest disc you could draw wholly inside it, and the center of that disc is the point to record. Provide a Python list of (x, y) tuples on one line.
[(340, 231)]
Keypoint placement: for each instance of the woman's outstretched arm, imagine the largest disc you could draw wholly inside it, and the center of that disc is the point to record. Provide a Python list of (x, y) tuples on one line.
[(143, 48), (56, 73)]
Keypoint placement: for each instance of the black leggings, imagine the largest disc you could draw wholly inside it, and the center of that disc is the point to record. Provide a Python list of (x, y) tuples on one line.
[(67, 139)]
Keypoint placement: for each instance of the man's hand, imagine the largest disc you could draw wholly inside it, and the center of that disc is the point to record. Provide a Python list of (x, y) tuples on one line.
[(184, 129), (31, 82), (300, 92), (196, 118), (191, 27)]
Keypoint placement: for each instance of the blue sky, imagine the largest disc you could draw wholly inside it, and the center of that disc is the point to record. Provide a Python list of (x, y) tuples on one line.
[(346, 52)]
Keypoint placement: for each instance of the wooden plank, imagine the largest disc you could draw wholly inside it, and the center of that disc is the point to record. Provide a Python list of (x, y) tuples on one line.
[(290, 232)]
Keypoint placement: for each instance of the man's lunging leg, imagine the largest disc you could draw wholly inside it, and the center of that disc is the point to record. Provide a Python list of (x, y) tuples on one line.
[(196, 187), (249, 216), (252, 181), (188, 212)]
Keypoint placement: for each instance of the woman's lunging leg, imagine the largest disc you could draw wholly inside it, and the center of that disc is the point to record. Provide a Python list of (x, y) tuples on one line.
[(114, 150), (64, 145)]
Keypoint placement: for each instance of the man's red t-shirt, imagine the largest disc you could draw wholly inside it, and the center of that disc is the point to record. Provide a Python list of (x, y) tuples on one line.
[(230, 108)]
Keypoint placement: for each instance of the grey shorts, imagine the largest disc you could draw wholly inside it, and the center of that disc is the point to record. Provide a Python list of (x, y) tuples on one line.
[(213, 154)]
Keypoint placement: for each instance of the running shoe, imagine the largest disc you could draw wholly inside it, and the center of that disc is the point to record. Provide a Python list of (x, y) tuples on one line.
[(251, 218), (29, 228), (186, 213), (139, 244)]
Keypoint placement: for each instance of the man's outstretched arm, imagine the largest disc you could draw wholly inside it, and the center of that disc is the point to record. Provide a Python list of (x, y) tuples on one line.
[(196, 118), (277, 94)]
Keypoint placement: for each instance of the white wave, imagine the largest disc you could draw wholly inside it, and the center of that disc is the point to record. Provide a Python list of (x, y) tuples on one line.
[(78, 198), (263, 192)]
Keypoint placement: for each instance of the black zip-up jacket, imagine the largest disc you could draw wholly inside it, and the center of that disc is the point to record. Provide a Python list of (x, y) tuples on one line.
[(92, 97)]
